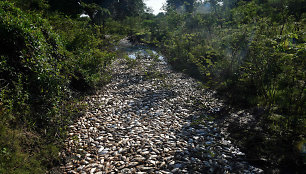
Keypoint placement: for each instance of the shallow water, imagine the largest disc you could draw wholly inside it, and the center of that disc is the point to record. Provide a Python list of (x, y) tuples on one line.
[(140, 52), (137, 51)]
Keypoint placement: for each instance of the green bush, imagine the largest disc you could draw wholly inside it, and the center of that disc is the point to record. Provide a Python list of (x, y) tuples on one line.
[(30, 61), (41, 58), (86, 49)]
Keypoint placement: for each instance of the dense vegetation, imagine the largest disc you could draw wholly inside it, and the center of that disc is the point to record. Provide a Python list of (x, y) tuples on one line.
[(251, 51)]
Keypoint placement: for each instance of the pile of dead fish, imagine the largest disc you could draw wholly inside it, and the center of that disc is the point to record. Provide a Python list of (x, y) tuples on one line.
[(148, 120)]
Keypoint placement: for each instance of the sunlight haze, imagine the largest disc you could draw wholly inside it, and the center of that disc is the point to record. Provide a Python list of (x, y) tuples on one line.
[(156, 5)]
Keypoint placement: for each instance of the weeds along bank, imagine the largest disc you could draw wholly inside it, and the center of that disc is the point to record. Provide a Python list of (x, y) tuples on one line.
[(46, 59), (253, 53)]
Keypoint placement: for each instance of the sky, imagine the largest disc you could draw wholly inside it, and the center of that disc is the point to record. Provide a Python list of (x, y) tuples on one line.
[(156, 5)]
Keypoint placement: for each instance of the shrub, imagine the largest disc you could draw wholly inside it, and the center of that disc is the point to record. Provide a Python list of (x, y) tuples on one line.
[(30, 61), (39, 60)]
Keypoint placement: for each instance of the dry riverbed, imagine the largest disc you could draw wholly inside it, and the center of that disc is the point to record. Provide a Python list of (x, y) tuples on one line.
[(150, 119)]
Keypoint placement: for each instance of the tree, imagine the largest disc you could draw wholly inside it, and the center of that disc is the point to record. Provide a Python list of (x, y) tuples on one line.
[(188, 5), (68, 7), (31, 4), (129, 8), (110, 5), (119, 9)]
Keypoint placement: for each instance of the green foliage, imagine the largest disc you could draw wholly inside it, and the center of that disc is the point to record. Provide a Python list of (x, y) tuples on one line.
[(96, 13), (246, 13), (119, 10), (45, 58), (28, 58), (12, 158), (67, 7), (251, 55), (87, 53), (186, 5), (31, 4)]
